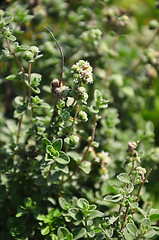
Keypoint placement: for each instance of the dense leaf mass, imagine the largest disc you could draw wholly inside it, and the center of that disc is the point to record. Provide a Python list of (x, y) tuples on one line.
[(79, 120)]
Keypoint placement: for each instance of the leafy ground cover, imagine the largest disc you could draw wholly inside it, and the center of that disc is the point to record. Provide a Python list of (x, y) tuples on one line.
[(79, 120)]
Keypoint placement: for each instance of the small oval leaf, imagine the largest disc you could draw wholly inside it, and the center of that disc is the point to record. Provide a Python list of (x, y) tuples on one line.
[(123, 177)]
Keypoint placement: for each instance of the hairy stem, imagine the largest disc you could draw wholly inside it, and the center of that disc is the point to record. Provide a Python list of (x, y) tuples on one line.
[(86, 151)]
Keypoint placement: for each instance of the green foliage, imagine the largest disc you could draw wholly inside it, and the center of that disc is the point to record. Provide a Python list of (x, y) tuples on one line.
[(65, 172)]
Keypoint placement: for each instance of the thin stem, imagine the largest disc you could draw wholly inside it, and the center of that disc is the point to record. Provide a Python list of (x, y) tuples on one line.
[(126, 213), (86, 227), (85, 153), (29, 73), (61, 52), (61, 74), (139, 191), (19, 128)]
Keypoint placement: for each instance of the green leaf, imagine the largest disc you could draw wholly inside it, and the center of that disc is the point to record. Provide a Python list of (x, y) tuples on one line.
[(92, 207), (91, 233), (86, 167), (7, 20), (154, 214), (94, 214), (41, 217), (127, 235), (11, 38), (78, 233), (13, 77), (112, 219), (61, 167), (150, 234), (57, 144), (39, 103), (45, 230), (132, 228), (114, 199), (133, 204), (76, 214), (63, 158), (109, 232), (54, 237), (75, 156), (93, 109), (83, 203), (130, 188), (50, 150), (29, 203), (62, 232), (123, 177), (64, 204), (46, 141), (97, 95), (53, 213)]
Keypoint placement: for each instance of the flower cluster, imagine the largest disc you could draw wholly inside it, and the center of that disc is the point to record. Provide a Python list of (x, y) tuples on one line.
[(82, 72)]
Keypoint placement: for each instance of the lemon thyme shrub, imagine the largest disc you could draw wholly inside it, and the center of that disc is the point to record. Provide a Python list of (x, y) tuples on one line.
[(65, 170)]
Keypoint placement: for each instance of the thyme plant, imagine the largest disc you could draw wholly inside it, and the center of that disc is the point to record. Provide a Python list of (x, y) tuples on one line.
[(55, 177)]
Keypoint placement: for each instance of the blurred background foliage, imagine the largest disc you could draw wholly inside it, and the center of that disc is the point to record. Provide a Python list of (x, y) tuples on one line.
[(120, 40)]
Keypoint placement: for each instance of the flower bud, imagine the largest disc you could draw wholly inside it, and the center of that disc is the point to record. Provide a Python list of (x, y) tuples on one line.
[(82, 72), (131, 146), (141, 170), (72, 141), (35, 50), (28, 56), (81, 90), (82, 116)]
